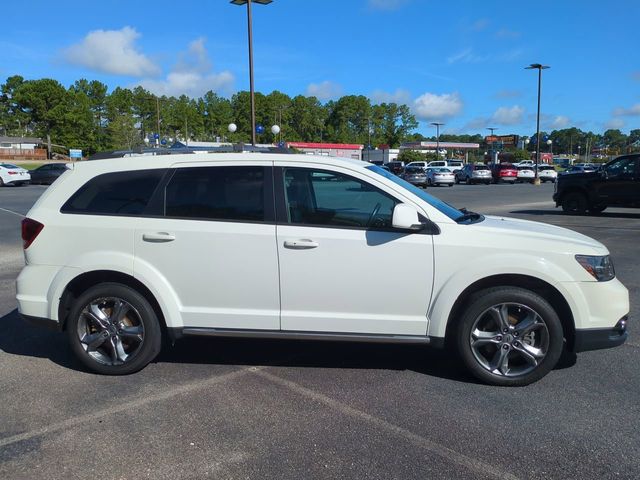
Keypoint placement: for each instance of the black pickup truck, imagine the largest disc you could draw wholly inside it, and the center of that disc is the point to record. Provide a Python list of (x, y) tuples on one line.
[(614, 184)]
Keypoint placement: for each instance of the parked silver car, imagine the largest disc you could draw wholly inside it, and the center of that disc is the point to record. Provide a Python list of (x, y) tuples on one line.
[(415, 175), (440, 176), (474, 173)]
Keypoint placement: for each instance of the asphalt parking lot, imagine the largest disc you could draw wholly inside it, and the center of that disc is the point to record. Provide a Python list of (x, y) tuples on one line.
[(273, 409)]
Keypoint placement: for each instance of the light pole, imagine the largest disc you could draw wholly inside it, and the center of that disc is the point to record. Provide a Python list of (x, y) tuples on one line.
[(437, 125), (539, 67), (494, 158), (550, 143), (250, 30), (579, 147), (527, 141)]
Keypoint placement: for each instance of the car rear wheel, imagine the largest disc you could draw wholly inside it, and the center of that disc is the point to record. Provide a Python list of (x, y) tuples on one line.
[(1, 183), (113, 329), (509, 336), (574, 202), (597, 209)]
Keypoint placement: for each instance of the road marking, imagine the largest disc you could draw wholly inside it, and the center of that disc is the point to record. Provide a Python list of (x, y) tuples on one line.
[(422, 442), (126, 406), (11, 211)]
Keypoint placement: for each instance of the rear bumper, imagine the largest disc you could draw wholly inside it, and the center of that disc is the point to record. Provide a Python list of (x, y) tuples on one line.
[(599, 338)]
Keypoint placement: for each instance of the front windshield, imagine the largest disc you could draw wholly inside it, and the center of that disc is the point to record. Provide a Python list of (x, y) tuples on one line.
[(448, 210)]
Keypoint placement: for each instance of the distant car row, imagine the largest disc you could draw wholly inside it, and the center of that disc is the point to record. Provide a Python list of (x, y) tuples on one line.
[(11, 174), (472, 173)]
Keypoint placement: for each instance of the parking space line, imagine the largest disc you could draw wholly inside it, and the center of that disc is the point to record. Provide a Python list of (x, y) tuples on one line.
[(417, 440), (126, 406), (11, 211)]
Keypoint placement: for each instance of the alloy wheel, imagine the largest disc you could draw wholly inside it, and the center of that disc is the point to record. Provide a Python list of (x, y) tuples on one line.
[(110, 330), (509, 339)]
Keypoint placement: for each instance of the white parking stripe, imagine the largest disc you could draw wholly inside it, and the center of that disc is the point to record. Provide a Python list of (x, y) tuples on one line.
[(472, 464), (11, 211)]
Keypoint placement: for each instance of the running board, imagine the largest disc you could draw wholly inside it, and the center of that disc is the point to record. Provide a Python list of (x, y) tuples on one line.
[(294, 335)]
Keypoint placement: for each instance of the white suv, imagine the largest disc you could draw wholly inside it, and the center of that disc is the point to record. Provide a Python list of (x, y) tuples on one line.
[(119, 252)]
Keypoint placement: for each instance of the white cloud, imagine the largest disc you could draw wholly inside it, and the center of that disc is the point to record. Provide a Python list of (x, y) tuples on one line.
[(614, 123), (111, 51), (560, 121), (628, 112), (324, 91), (387, 4), (508, 115), (400, 97), (192, 75), (469, 56), (430, 106)]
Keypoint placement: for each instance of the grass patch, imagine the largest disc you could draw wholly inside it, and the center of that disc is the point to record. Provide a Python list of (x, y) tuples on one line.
[(27, 165)]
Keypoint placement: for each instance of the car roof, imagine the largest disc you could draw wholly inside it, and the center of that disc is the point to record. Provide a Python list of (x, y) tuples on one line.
[(144, 162)]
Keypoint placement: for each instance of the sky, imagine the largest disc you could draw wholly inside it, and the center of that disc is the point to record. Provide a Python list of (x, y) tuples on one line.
[(457, 62)]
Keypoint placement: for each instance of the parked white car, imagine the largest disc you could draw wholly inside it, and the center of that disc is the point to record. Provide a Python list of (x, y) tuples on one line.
[(525, 174), (289, 246), (547, 173), (11, 174), (422, 165)]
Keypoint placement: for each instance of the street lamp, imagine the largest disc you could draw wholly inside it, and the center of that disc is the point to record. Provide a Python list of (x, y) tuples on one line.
[(437, 125), (494, 157), (539, 67), (275, 129), (253, 101), (527, 141), (550, 143), (579, 147)]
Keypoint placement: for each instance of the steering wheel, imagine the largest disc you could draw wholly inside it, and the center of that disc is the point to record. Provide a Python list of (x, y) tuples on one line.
[(374, 213)]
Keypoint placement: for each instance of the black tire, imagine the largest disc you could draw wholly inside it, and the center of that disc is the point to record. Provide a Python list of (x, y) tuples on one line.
[(574, 202), (151, 337), (451, 184), (457, 180), (483, 301), (1, 183)]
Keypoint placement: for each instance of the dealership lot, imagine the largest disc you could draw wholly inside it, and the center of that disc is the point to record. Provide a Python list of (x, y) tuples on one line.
[(246, 409)]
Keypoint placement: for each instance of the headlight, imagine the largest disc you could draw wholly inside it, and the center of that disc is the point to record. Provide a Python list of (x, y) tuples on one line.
[(600, 268)]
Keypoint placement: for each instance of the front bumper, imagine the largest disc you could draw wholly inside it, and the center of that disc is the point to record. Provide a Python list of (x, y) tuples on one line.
[(599, 338)]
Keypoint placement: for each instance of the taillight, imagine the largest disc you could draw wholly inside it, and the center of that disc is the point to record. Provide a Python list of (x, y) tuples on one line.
[(30, 230), (12, 173)]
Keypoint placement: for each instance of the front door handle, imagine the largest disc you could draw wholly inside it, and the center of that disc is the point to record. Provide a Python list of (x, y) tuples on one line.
[(303, 244), (158, 237)]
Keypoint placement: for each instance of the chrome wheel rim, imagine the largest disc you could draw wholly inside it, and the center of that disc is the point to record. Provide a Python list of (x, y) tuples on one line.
[(509, 339), (110, 330)]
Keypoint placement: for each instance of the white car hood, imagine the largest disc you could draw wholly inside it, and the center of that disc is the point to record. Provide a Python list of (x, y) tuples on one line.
[(532, 235)]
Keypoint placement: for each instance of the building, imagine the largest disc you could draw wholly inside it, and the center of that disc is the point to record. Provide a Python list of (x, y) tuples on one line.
[(381, 155), (343, 150), (21, 148)]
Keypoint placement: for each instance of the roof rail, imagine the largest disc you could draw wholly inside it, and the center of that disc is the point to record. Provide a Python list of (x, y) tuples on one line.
[(142, 152)]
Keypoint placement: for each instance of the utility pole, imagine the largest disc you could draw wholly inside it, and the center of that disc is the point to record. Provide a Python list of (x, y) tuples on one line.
[(539, 67)]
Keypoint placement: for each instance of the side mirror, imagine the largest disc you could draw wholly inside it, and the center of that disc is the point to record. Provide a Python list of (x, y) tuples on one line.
[(405, 217)]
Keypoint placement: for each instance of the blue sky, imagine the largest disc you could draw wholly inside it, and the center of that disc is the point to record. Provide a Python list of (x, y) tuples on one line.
[(460, 62)]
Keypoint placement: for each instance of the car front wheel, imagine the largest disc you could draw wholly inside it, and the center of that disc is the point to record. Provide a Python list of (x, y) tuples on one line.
[(574, 202), (113, 329), (509, 336)]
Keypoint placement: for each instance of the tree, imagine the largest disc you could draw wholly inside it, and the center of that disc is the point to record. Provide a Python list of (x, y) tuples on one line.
[(43, 101), (122, 133), (407, 156)]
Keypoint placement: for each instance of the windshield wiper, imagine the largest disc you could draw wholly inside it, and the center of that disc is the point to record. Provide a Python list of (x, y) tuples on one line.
[(468, 216)]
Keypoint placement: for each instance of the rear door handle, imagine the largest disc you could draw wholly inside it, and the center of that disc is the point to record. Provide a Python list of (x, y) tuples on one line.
[(158, 237), (303, 244)]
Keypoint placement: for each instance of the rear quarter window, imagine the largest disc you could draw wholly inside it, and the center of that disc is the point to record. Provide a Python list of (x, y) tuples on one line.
[(119, 193)]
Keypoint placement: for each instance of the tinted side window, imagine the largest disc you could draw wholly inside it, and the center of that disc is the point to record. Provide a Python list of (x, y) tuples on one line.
[(622, 168), (120, 193), (217, 193), (319, 197)]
